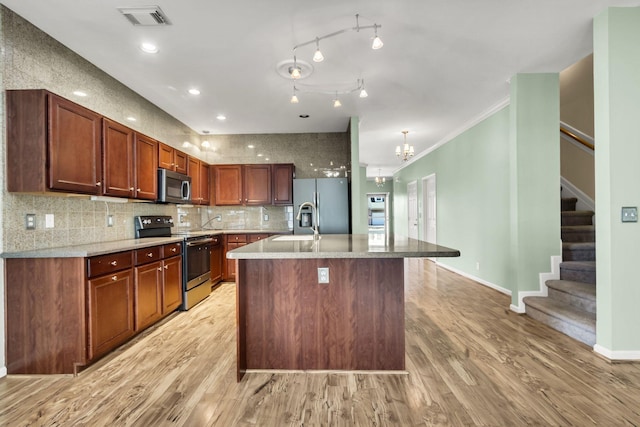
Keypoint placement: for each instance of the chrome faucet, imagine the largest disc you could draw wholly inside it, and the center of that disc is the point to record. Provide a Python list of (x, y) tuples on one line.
[(314, 212)]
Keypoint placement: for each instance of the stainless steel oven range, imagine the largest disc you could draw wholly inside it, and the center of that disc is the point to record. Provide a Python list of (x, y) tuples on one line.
[(196, 256)]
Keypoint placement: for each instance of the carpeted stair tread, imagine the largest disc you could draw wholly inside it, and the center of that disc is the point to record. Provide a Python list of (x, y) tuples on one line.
[(572, 321), (579, 251), (568, 218), (578, 233), (578, 294), (568, 203)]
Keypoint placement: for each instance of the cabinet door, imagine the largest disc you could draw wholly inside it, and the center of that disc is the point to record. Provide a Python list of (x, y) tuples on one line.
[(216, 263), (282, 184), (117, 159), (166, 156), (172, 284), (230, 264), (228, 183), (204, 184), (193, 170), (74, 147), (146, 170), (111, 319), (257, 185), (148, 294), (180, 161)]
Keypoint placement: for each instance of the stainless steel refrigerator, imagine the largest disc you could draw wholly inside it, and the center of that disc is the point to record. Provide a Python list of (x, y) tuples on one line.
[(331, 198)]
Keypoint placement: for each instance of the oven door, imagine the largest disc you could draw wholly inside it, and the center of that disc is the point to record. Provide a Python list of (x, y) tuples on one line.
[(198, 262)]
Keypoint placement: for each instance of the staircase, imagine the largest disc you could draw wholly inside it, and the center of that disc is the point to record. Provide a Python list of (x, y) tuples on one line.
[(570, 306)]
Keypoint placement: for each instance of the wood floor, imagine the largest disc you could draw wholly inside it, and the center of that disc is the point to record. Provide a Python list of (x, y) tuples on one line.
[(470, 361)]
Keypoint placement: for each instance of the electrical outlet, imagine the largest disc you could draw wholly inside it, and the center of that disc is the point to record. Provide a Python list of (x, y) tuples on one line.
[(30, 221), (49, 221), (109, 220), (323, 274), (266, 217), (629, 214)]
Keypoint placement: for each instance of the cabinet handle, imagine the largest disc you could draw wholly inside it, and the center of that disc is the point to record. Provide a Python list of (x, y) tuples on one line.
[(114, 278), (150, 254), (98, 184), (114, 263), (131, 189), (159, 268), (138, 190), (166, 267), (173, 249)]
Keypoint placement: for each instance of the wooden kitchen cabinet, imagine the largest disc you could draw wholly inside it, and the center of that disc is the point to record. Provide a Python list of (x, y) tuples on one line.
[(282, 175), (146, 167), (111, 304), (228, 185), (232, 241), (171, 284), (172, 159), (148, 286), (117, 160), (199, 173), (242, 185), (217, 251), (52, 144)]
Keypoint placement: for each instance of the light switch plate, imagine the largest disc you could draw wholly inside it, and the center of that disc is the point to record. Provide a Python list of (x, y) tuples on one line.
[(49, 221), (629, 214)]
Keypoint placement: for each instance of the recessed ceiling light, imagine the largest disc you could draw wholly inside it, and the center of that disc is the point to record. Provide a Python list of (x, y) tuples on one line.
[(149, 47), (259, 155), (304, 116), (251, 146), (79, 93), (131, 119), (194, 91), (206, 144), (186, 144), (221, 117)]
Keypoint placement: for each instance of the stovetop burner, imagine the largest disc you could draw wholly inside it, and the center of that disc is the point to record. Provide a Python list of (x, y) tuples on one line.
[(153, 226)]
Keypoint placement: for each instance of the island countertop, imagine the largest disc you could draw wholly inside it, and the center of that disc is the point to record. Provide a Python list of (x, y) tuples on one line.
[(341, 246)]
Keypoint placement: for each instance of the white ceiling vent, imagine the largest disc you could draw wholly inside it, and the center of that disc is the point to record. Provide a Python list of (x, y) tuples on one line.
[(145, 15)]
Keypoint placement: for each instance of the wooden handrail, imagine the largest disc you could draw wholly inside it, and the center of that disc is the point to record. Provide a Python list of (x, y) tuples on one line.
[(577, 138)]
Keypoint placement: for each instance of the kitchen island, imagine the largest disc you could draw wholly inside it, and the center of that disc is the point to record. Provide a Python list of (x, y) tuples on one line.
[(336, 303)]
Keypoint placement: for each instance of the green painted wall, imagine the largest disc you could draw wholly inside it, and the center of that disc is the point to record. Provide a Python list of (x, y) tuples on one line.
[(358, 182), (534, 170), (498, 190), (617, 109), (472, 184)]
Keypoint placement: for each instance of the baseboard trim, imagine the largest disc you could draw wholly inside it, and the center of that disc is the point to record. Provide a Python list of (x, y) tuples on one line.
[(475, 279), (543, 291), (3, 371), (629, 355)]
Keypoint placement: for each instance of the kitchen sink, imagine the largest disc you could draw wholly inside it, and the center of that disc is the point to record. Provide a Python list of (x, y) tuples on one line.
[(293, 238)]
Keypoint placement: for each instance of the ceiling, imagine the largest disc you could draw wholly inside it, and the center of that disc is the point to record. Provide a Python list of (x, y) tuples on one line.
[(444, 64)]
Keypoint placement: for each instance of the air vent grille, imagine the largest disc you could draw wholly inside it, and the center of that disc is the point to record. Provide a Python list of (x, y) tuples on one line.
[(146, 15)]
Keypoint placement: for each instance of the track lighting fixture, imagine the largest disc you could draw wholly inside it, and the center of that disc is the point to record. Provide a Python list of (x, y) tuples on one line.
[(294, 97), (296, 71), (318, 56)]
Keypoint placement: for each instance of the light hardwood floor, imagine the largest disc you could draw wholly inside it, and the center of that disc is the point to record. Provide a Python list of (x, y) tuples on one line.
[(470, 361)]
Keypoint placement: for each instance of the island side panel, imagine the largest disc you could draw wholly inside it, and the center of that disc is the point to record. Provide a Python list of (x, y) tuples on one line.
[(289, 321), (46, 330)]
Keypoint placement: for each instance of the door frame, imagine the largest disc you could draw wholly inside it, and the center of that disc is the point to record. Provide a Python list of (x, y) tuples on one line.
[(426, 208), (417, 211)]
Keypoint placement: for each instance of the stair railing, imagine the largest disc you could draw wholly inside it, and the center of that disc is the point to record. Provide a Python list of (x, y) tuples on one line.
[(574, 134)]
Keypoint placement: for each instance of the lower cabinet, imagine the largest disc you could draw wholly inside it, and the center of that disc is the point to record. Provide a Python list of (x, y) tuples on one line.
[(232, 242), (111, 322), (64, 313), (217, 252)]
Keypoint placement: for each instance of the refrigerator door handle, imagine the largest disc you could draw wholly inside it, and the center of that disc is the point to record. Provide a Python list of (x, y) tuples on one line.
[(316, 201)]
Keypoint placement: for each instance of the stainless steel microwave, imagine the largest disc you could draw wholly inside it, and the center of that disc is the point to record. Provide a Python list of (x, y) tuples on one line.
[(173, 187)]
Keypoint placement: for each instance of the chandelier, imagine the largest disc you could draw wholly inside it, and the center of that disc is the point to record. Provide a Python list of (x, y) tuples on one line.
[(406, 151), (380, 180)]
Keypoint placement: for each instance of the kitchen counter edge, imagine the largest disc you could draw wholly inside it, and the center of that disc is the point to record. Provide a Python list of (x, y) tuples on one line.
[(102, 248)]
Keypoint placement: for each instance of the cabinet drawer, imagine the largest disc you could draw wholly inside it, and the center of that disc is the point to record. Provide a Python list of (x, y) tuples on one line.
[(255, 237), (236, 238), (147, 255), (105, 264), (171, 249)]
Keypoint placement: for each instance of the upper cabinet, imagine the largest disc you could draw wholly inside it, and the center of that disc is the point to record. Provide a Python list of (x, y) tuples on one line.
[(257, 184), (199, 173), (52, 144), (146, 161), (282, 183), (117, 160), (172, 159), (253, 185)]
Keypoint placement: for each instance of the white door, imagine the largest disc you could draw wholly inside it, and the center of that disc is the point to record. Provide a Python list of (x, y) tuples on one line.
[(429, 210), (412, 197)]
